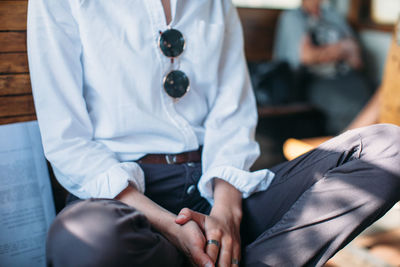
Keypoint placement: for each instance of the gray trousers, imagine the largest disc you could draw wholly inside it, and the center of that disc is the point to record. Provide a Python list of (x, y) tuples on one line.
[(316, 204)]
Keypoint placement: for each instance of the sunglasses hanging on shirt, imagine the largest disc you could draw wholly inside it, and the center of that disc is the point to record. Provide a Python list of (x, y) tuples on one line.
[(171, 43)]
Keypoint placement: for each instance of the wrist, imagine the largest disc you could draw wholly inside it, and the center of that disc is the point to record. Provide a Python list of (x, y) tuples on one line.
[(171, 231), (227, 211), (160, 218), (227, 200), (226, 194)]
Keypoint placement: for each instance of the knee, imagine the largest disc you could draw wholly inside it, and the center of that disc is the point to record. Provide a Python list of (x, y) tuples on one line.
[(82, 234), (100, 233), (389, 134), (383, 151), (383, 140)]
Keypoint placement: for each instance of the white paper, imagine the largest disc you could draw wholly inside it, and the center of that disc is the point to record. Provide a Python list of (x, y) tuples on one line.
[(26, 203)]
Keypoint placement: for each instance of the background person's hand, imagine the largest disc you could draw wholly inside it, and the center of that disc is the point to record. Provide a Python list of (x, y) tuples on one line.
[(311, 54), (352, 53)]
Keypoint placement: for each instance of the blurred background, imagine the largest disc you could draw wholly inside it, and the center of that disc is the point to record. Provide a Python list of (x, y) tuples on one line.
[(288, 107), (282, 115)]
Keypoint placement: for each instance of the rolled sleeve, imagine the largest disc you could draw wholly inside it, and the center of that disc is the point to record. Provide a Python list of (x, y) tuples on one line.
[(246, 182), (107, 184)]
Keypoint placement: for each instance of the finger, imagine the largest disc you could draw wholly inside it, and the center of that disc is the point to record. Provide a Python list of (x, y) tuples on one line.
[(213, 245), (212, 248), (200, 258), (199, 218), (235, 254), (225, 254)]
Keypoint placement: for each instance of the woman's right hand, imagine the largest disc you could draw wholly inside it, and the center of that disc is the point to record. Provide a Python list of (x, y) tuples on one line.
[(188, 238), (191, 241)]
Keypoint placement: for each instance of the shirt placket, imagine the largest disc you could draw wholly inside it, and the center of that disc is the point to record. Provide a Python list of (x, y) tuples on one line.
[(157, 15)]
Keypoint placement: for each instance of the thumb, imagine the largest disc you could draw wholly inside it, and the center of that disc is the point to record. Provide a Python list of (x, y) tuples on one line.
[(186, 215)]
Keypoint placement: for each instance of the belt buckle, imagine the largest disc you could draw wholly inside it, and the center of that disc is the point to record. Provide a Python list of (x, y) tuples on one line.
[(171, 159)]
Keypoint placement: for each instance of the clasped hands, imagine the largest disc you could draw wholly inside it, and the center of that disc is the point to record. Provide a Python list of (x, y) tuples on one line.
[(212, 240)]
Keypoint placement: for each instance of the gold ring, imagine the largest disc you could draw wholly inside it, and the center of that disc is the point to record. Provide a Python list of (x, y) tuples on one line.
[(213, 241), (235, 261)]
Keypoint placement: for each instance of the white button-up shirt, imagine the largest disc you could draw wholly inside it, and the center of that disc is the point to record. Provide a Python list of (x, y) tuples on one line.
[(97, 71)]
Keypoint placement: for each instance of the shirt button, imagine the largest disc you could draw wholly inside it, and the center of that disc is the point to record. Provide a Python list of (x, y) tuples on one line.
[(191, 189), (191, 164), (196, 175)]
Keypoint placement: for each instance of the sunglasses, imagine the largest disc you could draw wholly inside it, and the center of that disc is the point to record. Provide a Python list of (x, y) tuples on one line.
[(171, 43)]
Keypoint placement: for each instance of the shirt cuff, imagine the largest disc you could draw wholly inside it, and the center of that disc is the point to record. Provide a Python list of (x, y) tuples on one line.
[(112, 182), (244, 181)]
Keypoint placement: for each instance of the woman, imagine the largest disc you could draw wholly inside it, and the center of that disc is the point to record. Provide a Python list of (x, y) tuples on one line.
[(158, 173), (319, 44)]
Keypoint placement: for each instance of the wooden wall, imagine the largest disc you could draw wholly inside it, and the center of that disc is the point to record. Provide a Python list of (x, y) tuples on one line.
[(259, 32), (16, 102)]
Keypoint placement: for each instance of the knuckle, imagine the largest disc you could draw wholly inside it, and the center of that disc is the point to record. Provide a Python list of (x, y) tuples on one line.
[(185, 211), (225, 254), (228, 241), (216, 232)]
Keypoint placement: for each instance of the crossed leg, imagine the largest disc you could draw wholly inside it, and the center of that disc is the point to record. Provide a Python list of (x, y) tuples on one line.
[(106, 233), (322, 200)]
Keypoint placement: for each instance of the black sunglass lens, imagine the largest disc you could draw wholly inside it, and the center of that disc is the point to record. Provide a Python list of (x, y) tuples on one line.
[(172, 43), (176, 84)]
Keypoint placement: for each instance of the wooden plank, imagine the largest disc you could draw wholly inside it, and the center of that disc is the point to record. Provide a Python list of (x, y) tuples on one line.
[(12, 41), (259, 32), (15, 84), (353, 15), (13, 15), (373, 27), (285, 109), (8, 120), (16, 105), (13, 63), (389, 111)]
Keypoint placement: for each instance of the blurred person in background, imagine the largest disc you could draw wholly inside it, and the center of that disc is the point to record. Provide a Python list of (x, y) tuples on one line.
[(318, 43)]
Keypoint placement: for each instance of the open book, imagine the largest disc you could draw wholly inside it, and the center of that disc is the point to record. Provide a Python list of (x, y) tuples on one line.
[(26, 203)]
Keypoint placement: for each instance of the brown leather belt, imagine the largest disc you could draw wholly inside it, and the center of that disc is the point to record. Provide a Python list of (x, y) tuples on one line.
[(190, 156)]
